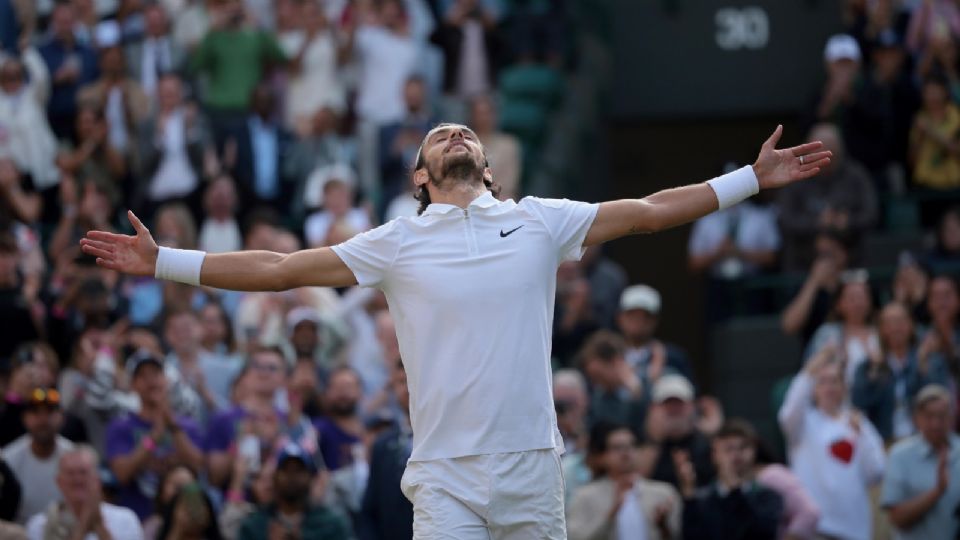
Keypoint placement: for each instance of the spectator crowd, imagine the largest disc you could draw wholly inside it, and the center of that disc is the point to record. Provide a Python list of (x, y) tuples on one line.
[(134, 408)]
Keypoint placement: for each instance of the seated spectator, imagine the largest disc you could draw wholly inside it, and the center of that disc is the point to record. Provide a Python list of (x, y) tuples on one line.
[(83, 513), (672, 426), (852, 328), (834, 450), (34, 456), (910, 285), (885, 386), (337, 209), (400, 140), (316, 58), (19, 199), (255, 415), (811, 305), (219, 231), (250, 490), (155, 53), (28, 138), (341, 428), (502, 149), (71, 65), (172, 146), (93, 157), (386, 514), (637, 320), (842, 197), (943, 337), (167, 488), (202, 379), (946, 253), (218, 335), (934, 138), (142, 446), (571, 400), (800, 511), (621, 503), (573, 315), (736, 505), (617, 394), (123, 101), (319, 151), (191, 514), (921, 486), (292, 514)]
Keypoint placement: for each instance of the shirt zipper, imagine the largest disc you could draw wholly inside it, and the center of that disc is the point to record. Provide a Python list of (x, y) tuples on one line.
[(468, 231)]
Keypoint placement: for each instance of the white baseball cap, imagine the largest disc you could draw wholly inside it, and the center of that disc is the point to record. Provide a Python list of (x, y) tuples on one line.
[(672, 386), (642, 297), (841, 47)]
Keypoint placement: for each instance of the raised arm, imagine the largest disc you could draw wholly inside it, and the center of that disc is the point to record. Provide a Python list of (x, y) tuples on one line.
[(238, 271), (671, 207)]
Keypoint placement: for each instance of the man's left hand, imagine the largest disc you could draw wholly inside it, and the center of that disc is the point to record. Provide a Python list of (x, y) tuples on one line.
[(777, 168)]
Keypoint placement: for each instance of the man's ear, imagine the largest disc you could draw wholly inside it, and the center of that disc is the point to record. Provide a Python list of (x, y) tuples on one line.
[(420, 177), (487, 174)]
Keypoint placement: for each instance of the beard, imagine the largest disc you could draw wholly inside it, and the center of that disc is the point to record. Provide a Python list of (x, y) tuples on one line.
[(341, 409), (457, 168)]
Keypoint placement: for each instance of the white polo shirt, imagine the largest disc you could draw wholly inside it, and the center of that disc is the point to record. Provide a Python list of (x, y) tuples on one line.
[(471, 292)]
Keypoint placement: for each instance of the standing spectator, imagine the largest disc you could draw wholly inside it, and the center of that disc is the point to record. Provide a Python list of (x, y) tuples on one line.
[(157, 53), (504, 154), (933, 20), (852, 329), (19, 199), (141, 447), (167, 489), (205, 375), (736, 506), (292, 515), (672, 426), (34, 456), (94, 158), (607, 279), (638, 319), (191, 514), (811, 304), (83, 513), (910, 285), (621, 503), (338, 210), (935, 138), (234, 58), (834, 450), (841, 197), (71, 65), (946, 252), (617, 393), (172, 146), (571, 401), (218, 335), (386, 514), (400, 140), (885, 387), (219, 231), (341, 429), (15, 301), (26, 135), (943, 337), (921, 486), (262, 146), (842, 58), (120, 97), (471, 47), (800, 511), (573, 316)]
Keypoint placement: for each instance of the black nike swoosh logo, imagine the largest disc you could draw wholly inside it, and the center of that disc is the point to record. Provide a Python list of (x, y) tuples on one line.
[(508, 233)]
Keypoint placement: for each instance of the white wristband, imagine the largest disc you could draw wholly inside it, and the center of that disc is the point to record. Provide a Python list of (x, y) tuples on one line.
[(736, 186), (180, 265)]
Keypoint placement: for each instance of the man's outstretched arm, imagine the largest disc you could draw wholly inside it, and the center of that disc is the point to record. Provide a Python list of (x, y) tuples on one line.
[(238, 271), (672, 207)]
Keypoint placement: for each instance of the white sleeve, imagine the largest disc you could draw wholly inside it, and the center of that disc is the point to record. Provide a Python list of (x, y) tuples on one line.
[(567, 221), (370, 255), (699, 242), (874, 457), (35, 526), (794, 408)]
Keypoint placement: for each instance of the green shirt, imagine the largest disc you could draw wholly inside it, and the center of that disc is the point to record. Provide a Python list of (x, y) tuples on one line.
[(319, 523), (234, 62)]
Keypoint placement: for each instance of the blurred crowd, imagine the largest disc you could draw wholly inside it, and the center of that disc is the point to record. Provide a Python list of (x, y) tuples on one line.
[(134, 408)]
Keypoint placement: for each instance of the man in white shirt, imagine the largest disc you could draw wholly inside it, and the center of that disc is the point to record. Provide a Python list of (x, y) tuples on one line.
[(471, 285), (83, 514)]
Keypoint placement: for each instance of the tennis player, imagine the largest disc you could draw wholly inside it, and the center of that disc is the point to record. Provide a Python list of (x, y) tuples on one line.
[(470, 282)]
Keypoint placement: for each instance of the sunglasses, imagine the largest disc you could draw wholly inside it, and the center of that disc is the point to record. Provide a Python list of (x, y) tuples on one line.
[(41, 396)]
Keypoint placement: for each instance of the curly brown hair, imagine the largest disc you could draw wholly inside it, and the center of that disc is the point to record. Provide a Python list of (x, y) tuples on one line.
[(422, 194)]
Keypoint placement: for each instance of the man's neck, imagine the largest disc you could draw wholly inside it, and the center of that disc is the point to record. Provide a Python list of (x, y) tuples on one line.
[(291, 508), (460, 194), (43, 450), (187, 356), (259, 402), (149, 411), (639, 342)]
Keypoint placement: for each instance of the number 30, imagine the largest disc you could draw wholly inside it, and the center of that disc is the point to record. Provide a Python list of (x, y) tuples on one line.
[(747, 28)]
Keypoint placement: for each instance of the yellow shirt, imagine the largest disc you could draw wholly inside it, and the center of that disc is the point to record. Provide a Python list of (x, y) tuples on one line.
[(935, 167)]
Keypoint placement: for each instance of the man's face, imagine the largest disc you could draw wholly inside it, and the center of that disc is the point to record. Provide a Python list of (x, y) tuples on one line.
[(62, 21), (455, 153), (677, 417), (829, 389), (305, 337), (77, 477), (291, 481), (183, 332), (11, 77), (343, 393), (943, 302), (733, 457), (621, 455), (483, 117), (829, 249), (637, 324), (155, 21), (150, 383), (43, 423), (268, 372), (934, 421), (895, 326), (414, 94), (170, 92)]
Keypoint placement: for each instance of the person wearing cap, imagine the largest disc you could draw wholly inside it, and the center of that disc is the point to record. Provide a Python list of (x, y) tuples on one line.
[(141, 445), (833, 448), (921, 484), (34, 456), (637, 320), (292, 515), (842, 59), (671, 426), (471, 282)]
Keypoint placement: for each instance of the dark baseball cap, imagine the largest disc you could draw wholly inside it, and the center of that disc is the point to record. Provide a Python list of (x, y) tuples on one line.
[(140, 358), (293, 450)]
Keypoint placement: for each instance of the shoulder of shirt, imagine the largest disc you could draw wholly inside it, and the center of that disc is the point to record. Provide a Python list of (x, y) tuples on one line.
[(118, 512), (15, 446), (903, 447)]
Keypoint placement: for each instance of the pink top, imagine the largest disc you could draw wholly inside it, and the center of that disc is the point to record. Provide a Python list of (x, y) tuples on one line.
[(800, 513)]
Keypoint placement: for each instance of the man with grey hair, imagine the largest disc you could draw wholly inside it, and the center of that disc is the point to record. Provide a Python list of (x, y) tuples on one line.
[(83, 514), (921, 486)]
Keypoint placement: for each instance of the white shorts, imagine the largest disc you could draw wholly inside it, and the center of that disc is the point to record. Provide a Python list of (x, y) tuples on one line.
[(512, 496)]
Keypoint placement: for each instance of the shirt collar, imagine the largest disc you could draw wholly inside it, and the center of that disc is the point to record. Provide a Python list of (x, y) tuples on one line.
[(486, 200), (928, 451)]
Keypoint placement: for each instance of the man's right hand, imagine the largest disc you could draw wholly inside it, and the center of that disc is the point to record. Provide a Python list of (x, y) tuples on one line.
[(135, 255)]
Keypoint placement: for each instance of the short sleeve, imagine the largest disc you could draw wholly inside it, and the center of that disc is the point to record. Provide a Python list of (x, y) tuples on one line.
[(370, 255), (119, 439), (893, 490), (567, 221)]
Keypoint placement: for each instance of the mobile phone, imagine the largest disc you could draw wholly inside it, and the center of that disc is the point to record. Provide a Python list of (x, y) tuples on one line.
[(249, 449)]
